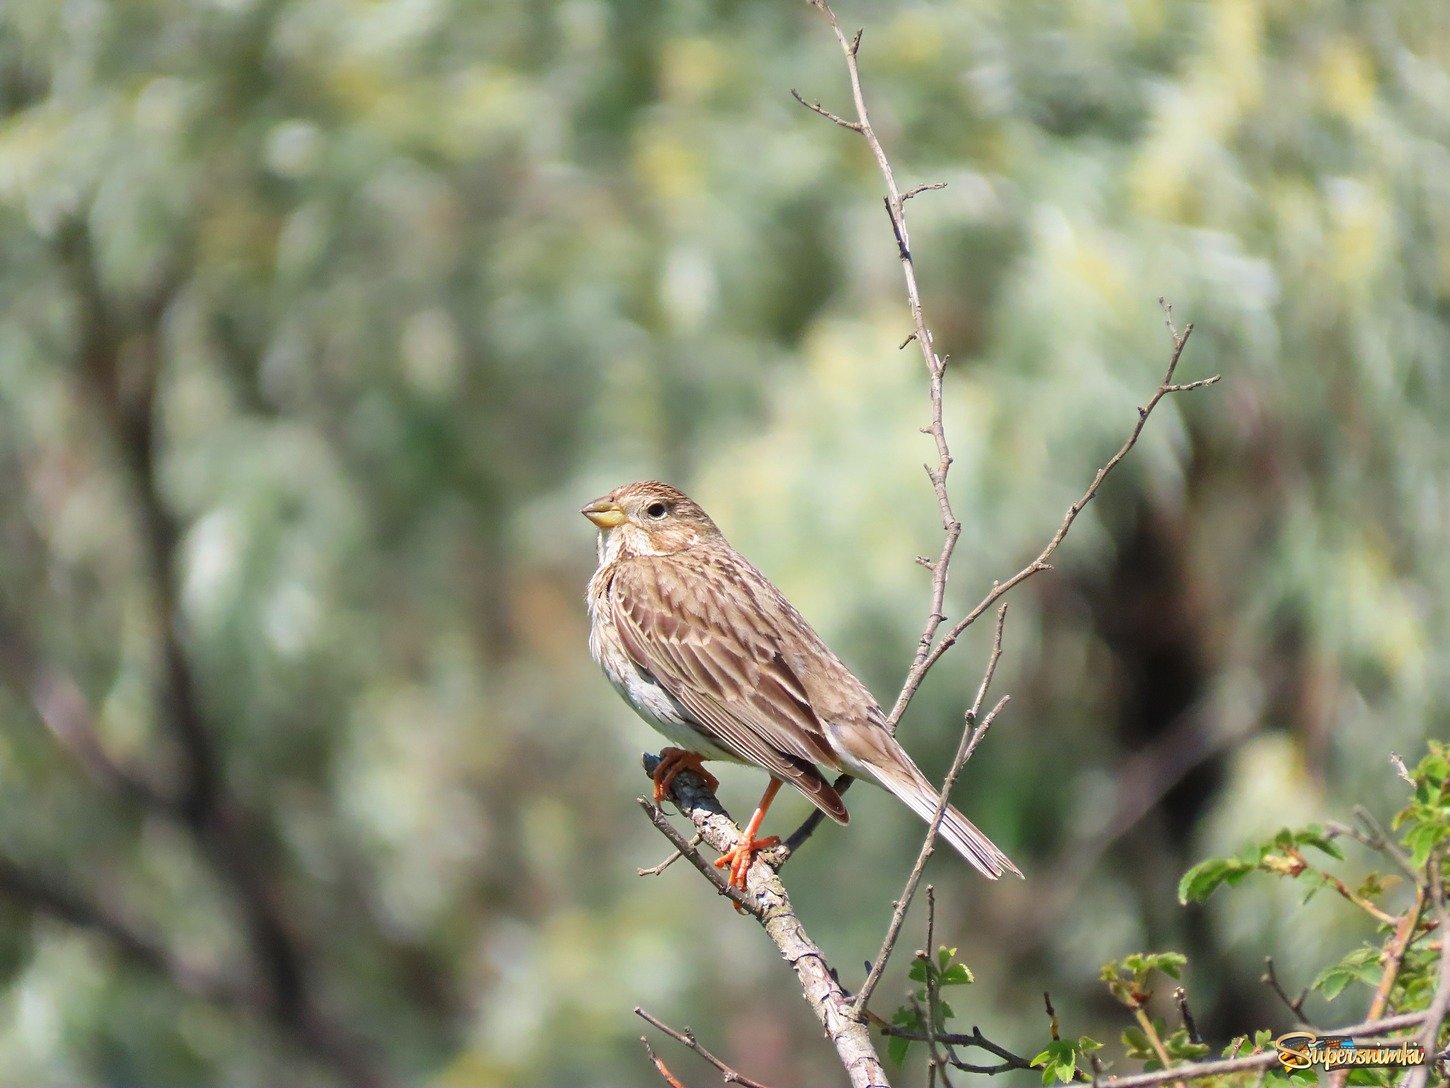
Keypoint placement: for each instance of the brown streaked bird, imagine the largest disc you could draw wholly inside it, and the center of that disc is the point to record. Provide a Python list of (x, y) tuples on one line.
[(712, 655)]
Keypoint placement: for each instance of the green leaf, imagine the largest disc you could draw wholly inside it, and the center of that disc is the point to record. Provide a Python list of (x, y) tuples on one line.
[(958, 974), (896, 1048), (1422, 839), (1377, 1078), (1200, 881), (1135, 1042), (905, 1017), (1315, 837), (1361, 965), (1058, 1061), (1170, 963)]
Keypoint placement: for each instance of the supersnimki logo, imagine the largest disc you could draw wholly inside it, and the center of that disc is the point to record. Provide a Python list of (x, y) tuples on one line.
[(1305, 1050)]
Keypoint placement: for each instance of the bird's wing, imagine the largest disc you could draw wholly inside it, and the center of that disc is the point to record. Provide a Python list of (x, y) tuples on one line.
[(704, 636)]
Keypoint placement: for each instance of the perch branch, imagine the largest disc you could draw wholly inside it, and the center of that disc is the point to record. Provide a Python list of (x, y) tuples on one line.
[(767, 901)]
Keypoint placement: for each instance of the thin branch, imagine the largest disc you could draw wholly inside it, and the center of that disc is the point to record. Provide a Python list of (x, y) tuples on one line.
[(1377, 838), (1395, 952), (1166, 387), (935, 365), (1008, 1060), (970, 739), (816, 107), (938, 1060), (1053, 1027), (918, 190), (1266, 1059), (1271, 979), (1440, 1003), (1397, 761), (675, 855), (687, 1038), (659, 1063)]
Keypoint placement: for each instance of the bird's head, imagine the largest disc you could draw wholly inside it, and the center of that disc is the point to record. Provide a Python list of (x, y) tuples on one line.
[(648, 518)]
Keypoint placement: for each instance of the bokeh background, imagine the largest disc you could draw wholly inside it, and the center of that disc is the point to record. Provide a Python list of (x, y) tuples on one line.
[(321, 319)]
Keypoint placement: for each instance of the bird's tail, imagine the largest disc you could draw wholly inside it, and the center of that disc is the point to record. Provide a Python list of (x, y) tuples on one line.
[(908, 783)]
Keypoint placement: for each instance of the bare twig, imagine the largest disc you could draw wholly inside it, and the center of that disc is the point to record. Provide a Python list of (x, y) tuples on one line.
[(1270, 978), (932, 654), (917, 190), (816, 107), (675, 855), (935, 365), (1377, 838), (687, 1038), (1008, 1060), (659, 1063), (1053, 1027), (1180, 997), (1397, 761)]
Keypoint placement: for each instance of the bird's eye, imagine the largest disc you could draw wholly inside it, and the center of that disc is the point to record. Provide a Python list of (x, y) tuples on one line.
[(656, 510)]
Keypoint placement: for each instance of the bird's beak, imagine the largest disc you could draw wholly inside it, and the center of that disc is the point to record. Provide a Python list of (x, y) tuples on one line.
[(605, 513)]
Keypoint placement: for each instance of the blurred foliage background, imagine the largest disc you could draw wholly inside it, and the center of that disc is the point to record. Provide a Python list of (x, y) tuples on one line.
[(321, 318)]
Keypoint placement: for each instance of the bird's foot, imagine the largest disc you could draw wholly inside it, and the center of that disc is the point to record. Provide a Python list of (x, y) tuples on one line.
[(672, 762), (742, 856)]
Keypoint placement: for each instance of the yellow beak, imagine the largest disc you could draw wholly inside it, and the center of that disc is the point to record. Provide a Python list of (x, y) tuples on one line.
[(604, 513)]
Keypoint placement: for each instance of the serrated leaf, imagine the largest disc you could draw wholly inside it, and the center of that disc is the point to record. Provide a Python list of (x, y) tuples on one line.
[(1058, 1061), (958, 974), (1170, 963), (1422, 839), (1361, 965), (919, 969), (896, 1048)]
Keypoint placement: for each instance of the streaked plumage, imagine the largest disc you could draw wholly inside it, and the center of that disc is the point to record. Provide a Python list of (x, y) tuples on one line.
[(711, 654)]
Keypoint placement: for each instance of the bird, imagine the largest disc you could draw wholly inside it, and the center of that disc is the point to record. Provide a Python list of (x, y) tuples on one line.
[(711, 654)]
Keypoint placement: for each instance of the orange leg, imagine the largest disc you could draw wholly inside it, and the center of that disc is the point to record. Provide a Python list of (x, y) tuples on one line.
[(672, 762), (740, 858)]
